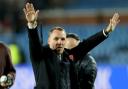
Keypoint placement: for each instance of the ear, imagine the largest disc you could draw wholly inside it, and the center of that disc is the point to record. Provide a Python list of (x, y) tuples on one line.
[(78, 41), (48, 40)]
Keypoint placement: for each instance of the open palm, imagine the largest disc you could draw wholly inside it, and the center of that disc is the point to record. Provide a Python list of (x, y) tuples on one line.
[(30, 13)]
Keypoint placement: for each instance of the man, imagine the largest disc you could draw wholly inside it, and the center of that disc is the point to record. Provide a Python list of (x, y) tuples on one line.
[(7, 71), (85, 70), (50, 63), (72, 40)]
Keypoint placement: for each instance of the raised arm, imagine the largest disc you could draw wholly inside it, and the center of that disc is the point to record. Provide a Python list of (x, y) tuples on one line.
[(88, 44), (34, 42)]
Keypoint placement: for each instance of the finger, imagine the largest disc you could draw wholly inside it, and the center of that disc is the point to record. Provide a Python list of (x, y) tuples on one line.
[(116, 16), (25, 11), (28, 7), (32, 7), (37, 12)]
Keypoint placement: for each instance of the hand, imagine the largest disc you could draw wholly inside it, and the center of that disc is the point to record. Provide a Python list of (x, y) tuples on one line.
[(30, 13), (3, 81), (113, 22), (6, 81)]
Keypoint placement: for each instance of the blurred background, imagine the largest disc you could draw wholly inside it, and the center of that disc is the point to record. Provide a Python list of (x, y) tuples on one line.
[(83, 17)]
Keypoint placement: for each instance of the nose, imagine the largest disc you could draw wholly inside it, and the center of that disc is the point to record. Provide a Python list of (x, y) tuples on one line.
[(59, 41)]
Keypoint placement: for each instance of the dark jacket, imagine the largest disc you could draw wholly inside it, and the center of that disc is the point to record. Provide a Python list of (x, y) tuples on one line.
[(85, 71), (84, 68), (47, 69)]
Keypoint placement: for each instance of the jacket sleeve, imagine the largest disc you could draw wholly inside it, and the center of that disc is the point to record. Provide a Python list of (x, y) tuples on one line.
[(88, 44), (35, 46)]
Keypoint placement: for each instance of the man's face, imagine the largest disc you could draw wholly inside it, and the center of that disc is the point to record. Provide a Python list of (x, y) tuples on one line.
[(57, 41), (71, 43)]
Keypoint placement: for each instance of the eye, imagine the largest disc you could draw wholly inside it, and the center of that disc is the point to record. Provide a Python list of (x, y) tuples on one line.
[(56, 38), (62, 39)]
